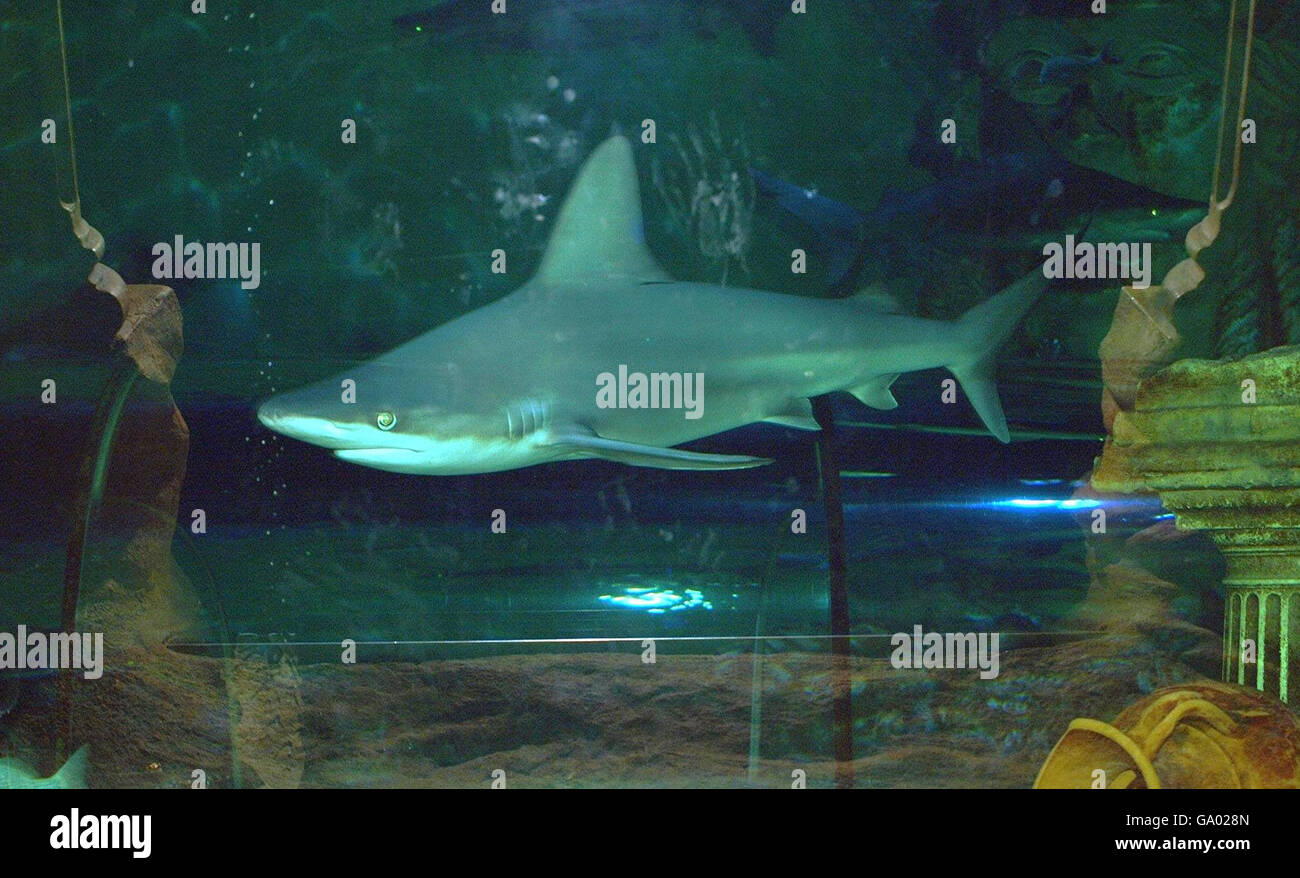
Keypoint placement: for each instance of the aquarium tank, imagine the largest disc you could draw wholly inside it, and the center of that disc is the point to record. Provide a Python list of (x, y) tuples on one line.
[(649, 393)]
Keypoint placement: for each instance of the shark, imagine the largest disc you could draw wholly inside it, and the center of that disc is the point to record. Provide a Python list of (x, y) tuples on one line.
[(530, 378), (1035, 197)]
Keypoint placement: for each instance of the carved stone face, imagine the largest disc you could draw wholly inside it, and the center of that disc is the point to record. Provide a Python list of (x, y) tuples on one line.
[(1148, 113)]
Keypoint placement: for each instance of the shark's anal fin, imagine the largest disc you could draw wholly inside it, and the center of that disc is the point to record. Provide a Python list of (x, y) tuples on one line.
[(876, 393), (586, 444), (798, 414)]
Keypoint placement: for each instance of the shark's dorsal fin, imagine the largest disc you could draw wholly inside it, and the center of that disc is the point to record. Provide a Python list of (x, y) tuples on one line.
[(598, 233)]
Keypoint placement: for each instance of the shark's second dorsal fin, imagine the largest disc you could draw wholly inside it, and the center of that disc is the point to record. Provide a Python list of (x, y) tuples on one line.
[(599, 232)]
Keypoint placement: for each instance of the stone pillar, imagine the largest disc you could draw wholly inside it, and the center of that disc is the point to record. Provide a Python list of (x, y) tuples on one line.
[(1219, 441)]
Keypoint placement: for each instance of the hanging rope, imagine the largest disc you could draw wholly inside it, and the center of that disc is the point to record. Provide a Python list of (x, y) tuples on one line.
[(1241, 107), (87, 234), (1187, 276)]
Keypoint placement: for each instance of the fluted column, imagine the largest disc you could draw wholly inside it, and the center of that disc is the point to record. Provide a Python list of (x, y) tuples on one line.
[(1219, 441)]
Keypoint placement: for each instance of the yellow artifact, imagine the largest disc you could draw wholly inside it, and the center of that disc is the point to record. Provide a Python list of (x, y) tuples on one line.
[(1197, 736)]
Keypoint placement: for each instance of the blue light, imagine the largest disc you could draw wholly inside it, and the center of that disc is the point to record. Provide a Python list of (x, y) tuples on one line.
[(642, 599), (656, 601), (1047, 503)]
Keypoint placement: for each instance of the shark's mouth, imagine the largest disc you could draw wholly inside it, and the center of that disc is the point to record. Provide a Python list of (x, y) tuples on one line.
[(378, 453), (395, 460)]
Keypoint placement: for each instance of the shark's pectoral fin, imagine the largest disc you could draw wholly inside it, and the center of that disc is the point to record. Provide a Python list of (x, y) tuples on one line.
[(585, 444), (797, 414), (793, 421), (875, 392)]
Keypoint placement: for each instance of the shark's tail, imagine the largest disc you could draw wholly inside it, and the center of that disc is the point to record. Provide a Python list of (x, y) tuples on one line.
[(982, 330)]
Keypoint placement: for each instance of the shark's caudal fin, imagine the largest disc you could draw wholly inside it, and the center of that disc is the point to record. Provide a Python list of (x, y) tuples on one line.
[(983, 329)]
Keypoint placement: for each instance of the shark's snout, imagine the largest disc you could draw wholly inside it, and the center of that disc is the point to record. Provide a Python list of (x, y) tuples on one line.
[(269, 414), (285, 418), (274, 415)]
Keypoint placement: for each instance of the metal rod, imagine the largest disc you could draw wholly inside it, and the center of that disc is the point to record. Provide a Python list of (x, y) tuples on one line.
[(841, 678)]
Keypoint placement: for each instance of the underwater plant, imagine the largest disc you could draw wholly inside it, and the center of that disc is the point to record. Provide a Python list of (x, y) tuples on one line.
[(539, 147), (709, 195)]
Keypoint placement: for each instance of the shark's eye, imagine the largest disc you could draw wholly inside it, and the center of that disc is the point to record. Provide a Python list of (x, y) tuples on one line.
[(386, 420)]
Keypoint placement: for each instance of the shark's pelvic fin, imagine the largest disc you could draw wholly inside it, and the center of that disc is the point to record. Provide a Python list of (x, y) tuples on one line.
[(984, 328), (587, 444), (598, 234), (875, 392)]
